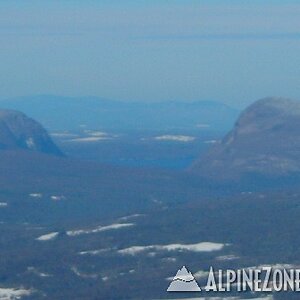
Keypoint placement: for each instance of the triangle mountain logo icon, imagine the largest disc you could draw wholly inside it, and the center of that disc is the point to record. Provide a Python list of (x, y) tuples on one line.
[(184, 281)]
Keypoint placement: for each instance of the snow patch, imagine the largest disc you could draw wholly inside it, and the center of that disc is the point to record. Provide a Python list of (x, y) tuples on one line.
[(48, 236), (99, 229), (30, 143), (58, 198), (96, 133), (227, 257), (199, 247), (90, 139), (211, 142), (13, 293), (63, 134), (33, 270), (175, 138), (36, 195), (83, 275), (94, 252), (125, 218)]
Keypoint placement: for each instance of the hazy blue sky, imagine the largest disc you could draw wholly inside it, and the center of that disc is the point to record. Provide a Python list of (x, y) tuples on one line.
[(231, 51)]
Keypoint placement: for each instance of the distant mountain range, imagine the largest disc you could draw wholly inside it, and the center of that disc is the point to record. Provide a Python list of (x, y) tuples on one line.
[(265, 141), (17, 131), (66, 113), (263, 144)]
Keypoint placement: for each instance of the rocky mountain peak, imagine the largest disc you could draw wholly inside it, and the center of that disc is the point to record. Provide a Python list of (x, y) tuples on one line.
[(17, 131), (265, 140)]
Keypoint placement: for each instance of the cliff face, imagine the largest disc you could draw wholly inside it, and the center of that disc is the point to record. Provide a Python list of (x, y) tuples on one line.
[(265, 140), (17, 131)]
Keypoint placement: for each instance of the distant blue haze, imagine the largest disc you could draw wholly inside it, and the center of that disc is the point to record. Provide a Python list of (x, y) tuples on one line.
[(229, 51)]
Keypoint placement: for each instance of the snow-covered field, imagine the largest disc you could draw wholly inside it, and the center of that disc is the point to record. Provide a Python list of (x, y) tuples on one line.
[(99, 229), (48, 236), (13, 294), (199, 247)]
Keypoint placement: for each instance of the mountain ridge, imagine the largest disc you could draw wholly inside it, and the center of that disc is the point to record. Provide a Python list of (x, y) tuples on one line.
[(69, 113)]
